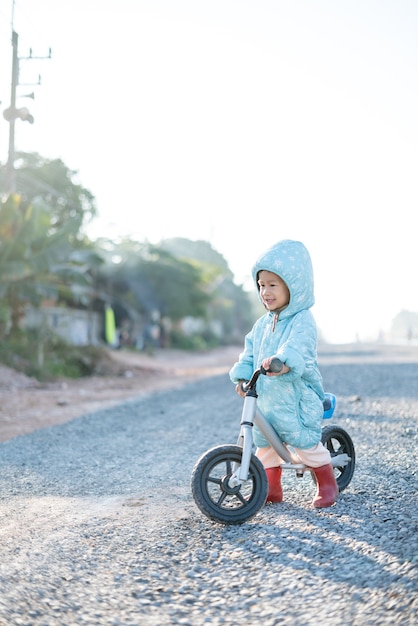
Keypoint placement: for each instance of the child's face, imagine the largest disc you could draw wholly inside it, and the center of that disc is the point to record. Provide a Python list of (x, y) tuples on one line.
[(273, 290)]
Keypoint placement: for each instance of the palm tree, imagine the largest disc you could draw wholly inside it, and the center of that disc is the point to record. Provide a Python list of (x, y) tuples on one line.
[(38, 259)]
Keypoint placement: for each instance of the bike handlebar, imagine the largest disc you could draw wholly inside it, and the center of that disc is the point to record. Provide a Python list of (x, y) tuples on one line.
[(276, 367)]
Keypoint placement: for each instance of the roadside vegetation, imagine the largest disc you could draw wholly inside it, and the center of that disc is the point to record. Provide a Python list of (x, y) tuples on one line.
[(46, 259), (177, 294), (59, 359)]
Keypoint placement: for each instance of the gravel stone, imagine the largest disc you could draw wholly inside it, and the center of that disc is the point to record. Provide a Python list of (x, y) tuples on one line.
[(98, 525)]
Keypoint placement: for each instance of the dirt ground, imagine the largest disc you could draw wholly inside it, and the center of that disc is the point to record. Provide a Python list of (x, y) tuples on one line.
[(26, 404)]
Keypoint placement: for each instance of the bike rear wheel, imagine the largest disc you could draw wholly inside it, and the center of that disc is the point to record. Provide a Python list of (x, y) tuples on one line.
[(338, 441), (216, 498)]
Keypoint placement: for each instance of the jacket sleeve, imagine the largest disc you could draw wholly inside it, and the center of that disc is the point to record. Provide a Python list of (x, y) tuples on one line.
[(299, 351), (244, 367)]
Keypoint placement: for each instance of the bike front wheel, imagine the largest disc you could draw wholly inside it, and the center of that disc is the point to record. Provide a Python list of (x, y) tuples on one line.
[(213, 494)]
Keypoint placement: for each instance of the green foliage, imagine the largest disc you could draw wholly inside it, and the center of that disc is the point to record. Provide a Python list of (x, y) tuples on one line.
[(178, 285), (178, 278), (44, 256), (197, 341), (52, 182), (37, 257), (200, 251), (151, 278), (60, 360), (228, 303)]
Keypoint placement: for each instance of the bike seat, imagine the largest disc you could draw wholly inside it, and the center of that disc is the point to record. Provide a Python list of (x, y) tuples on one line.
[(329, 403)]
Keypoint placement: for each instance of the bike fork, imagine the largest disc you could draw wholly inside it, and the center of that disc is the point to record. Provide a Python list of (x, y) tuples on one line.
[(245, 441)]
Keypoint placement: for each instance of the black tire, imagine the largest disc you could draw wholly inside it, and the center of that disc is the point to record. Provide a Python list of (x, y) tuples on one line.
[(338, 441), (213, 496)]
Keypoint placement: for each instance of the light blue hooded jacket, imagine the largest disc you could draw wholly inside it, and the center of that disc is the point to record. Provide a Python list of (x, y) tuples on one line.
[(292, 402)]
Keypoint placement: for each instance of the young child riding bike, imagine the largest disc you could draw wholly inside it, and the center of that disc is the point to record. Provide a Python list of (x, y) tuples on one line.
[(291, 400)]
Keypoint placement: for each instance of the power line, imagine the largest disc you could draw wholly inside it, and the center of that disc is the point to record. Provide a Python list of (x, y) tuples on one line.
[(12, 113)]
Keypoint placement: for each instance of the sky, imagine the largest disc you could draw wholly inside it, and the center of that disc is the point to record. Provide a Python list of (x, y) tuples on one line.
[(239, 122)]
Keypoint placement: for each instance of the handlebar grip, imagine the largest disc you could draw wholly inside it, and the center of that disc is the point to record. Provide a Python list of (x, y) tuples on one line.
[(276, 366)]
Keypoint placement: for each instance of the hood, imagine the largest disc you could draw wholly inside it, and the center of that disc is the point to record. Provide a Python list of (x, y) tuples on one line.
[(291, 261)]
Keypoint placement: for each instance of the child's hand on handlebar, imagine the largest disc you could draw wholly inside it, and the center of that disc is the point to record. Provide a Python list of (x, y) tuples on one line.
[(266, 363), (238, 388)]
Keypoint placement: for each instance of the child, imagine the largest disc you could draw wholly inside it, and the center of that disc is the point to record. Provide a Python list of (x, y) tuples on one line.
[(291, 400)]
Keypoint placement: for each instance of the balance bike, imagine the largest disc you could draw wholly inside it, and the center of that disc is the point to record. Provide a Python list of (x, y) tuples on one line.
[(229, 483)]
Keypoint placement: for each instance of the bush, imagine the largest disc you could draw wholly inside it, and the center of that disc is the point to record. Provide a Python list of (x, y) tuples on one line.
[(52, 358), (190, 342)]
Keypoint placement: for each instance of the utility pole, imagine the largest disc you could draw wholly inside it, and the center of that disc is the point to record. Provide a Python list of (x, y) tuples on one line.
[(10, 169), (12, 113)]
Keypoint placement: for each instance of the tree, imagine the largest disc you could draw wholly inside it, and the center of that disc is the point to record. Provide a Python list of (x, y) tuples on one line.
[(200, 251), (150, 278), (405, 325), (38, 258), (229, 304), (55, 184)]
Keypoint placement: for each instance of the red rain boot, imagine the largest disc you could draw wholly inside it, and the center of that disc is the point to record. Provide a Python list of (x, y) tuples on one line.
[(327, 488), (275, 492)]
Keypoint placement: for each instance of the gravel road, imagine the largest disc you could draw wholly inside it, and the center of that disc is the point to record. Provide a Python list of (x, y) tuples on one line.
[(98, 525)]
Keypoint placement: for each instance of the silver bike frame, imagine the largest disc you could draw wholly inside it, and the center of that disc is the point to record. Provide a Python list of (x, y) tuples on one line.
[(251, 416)]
